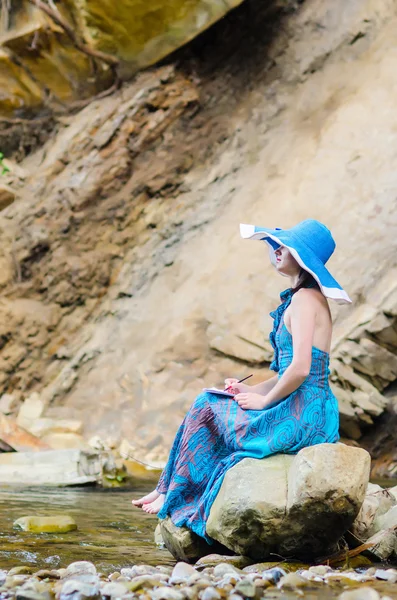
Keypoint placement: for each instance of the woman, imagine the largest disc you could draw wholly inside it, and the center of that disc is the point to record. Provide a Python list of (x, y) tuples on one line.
[(292, 410)]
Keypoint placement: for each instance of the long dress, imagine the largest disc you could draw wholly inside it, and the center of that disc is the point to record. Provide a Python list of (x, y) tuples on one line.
[(216, 433)]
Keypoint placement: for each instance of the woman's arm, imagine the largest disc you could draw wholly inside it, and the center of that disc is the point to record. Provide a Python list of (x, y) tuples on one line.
[(264, 387), (302, 316)]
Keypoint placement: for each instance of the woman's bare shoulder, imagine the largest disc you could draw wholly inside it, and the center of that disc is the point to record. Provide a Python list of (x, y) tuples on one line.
[(309, 297)]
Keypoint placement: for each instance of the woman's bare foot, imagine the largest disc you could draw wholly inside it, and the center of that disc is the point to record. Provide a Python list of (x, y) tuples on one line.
[(154, 507), (146, 499)]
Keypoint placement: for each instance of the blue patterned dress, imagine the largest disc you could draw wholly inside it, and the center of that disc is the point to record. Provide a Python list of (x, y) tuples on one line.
[(216, 433)]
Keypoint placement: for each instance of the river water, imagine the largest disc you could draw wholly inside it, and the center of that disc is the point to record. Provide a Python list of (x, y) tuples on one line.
[(111, 533)]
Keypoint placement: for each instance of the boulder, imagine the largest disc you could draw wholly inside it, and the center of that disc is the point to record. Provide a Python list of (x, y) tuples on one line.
[(183, 543), (50, 468), (294, 506), (377, 502), (54, 524)]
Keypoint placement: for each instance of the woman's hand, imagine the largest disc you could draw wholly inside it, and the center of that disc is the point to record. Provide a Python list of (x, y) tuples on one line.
[(232, 386), (250, 401)]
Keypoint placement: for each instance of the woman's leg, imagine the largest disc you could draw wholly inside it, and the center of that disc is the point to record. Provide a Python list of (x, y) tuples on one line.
[(166, 475)]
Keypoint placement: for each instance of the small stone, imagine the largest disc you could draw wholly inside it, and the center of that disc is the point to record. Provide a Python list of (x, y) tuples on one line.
[(362, 593), (273, 575), (47, 574), (20, 571), (182, 572), (223, 568), (144, 582), (80, 567), (136, 570), (320, 570), (166, 593), (189, 593), (245, 588), (292, 581), (209, 593), (55, 524), (386, 575), (114, 589), (23, 594), (114, 576), (211, 560), (79, 590)]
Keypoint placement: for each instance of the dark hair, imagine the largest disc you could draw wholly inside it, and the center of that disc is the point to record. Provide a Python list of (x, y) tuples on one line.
[(305, 280)]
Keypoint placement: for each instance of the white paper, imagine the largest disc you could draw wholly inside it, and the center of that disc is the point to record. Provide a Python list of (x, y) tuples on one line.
[(214, 390)]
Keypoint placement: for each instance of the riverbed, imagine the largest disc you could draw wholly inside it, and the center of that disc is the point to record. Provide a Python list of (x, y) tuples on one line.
[(111, 533)]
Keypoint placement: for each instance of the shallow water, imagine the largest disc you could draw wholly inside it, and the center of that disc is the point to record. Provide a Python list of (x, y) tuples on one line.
[(110, 532)]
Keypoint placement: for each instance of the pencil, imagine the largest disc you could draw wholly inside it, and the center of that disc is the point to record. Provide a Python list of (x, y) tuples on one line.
[(248, 376)]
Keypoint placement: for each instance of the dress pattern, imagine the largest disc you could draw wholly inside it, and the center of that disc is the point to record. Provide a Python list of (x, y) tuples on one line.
[(216, 433)]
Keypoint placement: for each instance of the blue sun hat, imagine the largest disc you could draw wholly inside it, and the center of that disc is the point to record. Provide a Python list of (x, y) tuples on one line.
[(311, 244)]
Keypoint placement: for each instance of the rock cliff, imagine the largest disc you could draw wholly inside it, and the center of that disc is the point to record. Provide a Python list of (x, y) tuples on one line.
[(125, 285)]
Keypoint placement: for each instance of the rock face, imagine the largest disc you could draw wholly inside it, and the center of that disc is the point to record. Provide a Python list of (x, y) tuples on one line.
[(56, 56), (294, 506), (124, 283)]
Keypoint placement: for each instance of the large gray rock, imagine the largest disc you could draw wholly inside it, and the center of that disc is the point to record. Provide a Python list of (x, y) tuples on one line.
[(250, 507), (297, 506)]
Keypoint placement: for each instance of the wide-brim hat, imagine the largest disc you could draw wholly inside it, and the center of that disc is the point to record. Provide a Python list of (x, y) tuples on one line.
[(311, 244)]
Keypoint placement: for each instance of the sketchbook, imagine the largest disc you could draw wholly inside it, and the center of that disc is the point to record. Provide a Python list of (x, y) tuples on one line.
[(214, 390)]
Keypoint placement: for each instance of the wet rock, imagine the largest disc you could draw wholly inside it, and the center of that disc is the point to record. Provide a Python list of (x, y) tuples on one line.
[(182, 542), (114, 589), (386, 575), (320, 570), (211, 560), (182, 572), (114, 576), (245, 588), (313, 499), (363, 593), (384, 544), (55, 524)]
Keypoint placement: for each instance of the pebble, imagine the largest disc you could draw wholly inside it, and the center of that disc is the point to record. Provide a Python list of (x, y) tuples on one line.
[(81, 567), (320, 570), (291, 581), (136, 570), (210, 593), (166, 593), (182, 572), (363, 593), (78, 589), (224, 568), (273, 575), (211, 560), (143, 582), (114, 576), (386, 575), (245, 588), (113, 589), (20, 571)]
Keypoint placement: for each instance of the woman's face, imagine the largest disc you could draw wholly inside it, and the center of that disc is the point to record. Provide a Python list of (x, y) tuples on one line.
[(285, 262)]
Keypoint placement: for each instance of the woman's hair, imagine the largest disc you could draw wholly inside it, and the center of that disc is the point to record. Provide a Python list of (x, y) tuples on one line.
[(305, 280)]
